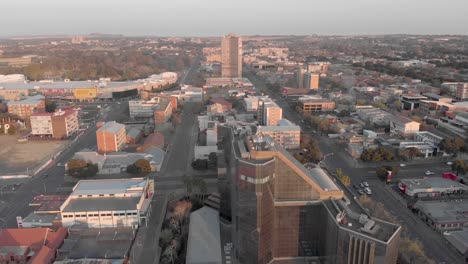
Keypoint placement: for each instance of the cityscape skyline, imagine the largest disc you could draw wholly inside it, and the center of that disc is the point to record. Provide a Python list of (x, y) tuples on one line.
[(214, 18)]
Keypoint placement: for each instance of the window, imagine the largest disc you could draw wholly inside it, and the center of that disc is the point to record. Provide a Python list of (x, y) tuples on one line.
[(101, 195)]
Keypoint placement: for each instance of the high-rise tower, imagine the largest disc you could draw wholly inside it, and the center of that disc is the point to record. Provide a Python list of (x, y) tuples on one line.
[(231, 56)]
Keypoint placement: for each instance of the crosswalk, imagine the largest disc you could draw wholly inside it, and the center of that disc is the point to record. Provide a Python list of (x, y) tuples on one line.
[(227, 252)]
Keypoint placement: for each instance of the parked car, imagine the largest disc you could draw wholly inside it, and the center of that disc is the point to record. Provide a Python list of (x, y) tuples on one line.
[(368, 191), (366, 184), (362, 185), (449, 163), (429, 173), (361, 192), (59, 164), (355, 186)]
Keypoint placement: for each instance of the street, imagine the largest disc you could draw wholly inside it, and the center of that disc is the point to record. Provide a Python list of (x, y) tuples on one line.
[(16, 203), (435, 245)]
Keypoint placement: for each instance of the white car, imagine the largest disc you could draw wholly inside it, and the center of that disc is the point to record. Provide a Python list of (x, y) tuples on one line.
[(449, 163), (402, 165), (366, 184), (429, 173), (368, 191)]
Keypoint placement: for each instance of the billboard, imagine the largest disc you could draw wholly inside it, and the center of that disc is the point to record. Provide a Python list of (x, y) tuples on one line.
[(85, 93)]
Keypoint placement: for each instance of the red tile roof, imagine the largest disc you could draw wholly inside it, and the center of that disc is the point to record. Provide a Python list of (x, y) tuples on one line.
[(43, 241)]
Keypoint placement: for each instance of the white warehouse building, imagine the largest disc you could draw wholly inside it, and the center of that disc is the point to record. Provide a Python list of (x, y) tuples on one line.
[(108, 203)]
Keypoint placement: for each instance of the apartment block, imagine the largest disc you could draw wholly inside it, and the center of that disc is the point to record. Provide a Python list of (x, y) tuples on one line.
[(284, 213), (28, 106), (269, 113), (141, 108), (311, 81), (58, 125), (231, 56), (111, 137), (462, 91), (286, 134)]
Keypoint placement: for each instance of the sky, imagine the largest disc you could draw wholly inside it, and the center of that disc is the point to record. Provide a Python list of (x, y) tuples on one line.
[(244, 17)]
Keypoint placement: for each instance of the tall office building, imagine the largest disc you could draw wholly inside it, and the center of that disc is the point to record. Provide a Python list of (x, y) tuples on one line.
[(284, 213), (231, 56)]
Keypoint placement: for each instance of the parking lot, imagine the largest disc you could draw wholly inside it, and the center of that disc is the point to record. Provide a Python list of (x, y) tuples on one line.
[(25, 157)]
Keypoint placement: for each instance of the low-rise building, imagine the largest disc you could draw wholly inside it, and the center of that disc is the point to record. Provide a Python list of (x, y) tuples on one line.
[(58, 125), (443, 215), (204, 238), (431, 187), (30, 245), (25, 108), (142, 108), (162, 112), (311, 104), (287, 134), (13, 94), (251, 103), (403, 126), (111, 137), (373, 115), (108, 203), (411, 101), (219, 106)]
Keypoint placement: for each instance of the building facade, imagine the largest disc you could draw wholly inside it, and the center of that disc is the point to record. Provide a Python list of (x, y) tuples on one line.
[(285, 133), (162, 112), (231, 56), (311, 105), (108, 203), (284, 213), (111, 137), (141, 108), (268, 112), (311, 81), (462, 91), (58, 125), (25, 108)]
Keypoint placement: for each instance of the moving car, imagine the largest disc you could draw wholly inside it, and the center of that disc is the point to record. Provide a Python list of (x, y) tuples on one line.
[(449, 163), (429, 173), (402, 165)]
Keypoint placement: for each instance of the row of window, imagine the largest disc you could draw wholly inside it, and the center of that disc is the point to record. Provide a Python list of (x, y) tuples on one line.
[(96, 215)]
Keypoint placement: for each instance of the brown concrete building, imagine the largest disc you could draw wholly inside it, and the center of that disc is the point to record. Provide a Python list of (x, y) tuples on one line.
[(231, 56), (268, 112), (28, 106), (58, 125), (162, 112), (311, 81), (111, 137), (284, 213), (13, 94), (312, 105)]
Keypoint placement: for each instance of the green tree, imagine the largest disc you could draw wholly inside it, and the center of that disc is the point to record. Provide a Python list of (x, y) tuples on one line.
[(345, 179)]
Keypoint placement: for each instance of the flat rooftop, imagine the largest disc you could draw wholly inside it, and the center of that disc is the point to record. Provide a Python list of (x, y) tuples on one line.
[(32, 100), (445, 211), (65, 85), (112, 127), (102, 204), (429, 183), (109, 186)]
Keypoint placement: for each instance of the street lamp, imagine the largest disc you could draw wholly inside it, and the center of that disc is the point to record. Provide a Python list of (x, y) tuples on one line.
[(322, 162)]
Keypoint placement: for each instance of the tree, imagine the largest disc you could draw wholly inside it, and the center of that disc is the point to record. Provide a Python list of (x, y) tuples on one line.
[(452, 145), (378, 154), (12, 129), (143, 166), (343, 177), (460, 167), (50, 106), (81, 168), (344, 113), (166, 237)]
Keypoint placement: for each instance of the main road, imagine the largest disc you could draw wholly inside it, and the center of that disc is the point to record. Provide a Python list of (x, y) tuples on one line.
[(435, 245)]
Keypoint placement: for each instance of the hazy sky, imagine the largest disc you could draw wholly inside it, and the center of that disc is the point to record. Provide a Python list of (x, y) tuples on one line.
[(245, 17)]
